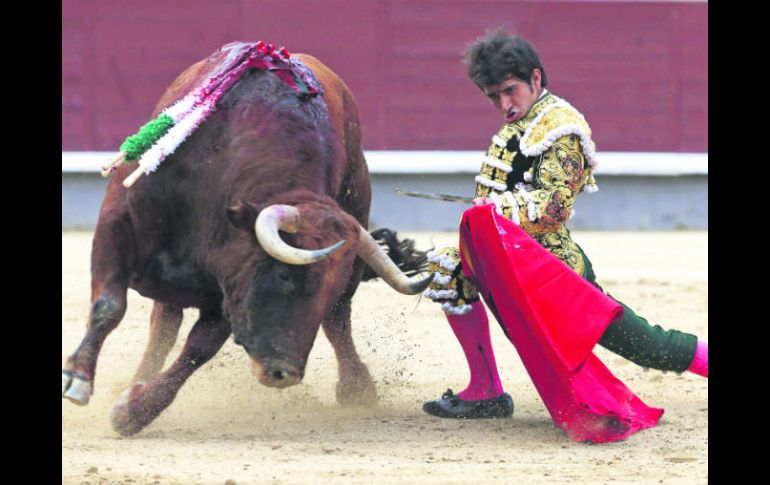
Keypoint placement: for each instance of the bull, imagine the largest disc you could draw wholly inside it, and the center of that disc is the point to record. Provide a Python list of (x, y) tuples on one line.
[(257, 219)]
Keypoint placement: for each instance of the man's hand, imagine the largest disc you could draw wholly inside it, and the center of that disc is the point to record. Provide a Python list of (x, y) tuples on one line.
[(482, 201)]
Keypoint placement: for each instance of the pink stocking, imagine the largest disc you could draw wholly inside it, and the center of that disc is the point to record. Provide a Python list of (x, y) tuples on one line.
[(700, 363), (472, 331)]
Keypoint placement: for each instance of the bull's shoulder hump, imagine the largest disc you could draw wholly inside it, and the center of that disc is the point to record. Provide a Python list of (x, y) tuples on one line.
[(325, 75), (311, 61)]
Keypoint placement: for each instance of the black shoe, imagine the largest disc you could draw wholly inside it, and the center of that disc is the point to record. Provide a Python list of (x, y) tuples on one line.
[(451, 406)]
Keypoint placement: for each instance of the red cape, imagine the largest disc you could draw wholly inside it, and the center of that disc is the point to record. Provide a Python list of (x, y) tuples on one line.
[(554, 318)]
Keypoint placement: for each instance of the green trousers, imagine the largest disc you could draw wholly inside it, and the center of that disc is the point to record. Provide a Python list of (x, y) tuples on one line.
[(633, 338)]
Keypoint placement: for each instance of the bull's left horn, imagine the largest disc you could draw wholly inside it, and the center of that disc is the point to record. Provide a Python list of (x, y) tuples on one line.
[(375, 257), (286, 218)]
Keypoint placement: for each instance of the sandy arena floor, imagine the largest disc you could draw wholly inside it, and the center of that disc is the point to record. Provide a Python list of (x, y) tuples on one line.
[(224, 427)]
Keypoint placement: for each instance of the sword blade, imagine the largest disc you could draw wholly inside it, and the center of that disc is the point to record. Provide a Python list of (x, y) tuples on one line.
[(432, 196)]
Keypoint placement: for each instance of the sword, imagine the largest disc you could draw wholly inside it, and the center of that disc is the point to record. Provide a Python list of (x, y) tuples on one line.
[(444, 197)]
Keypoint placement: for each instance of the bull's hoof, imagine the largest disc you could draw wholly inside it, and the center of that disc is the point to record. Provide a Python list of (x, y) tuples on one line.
[(66, 379), (126, 417), (75, 389), (359, 391)]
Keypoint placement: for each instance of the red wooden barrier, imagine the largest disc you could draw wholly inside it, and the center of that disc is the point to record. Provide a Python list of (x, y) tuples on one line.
[(637, 70)]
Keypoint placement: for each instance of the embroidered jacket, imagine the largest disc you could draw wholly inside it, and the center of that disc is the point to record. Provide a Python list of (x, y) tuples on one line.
[(535, 167), (533, 170)]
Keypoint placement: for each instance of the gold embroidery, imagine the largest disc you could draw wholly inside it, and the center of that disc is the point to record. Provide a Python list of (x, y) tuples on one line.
[(487, 171), (536, 109), (466, 289), (482, 190), (557, 117), (508, 131), (562, 165), (499, 153), (557, 176), (501, 176), (507, 157), (560, 244), (495, 151)]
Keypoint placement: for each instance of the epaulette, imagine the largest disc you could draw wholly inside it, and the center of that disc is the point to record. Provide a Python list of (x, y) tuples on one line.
[(553, 122)]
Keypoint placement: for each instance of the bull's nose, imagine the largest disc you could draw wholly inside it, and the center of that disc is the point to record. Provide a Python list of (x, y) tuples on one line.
[(276, 373)]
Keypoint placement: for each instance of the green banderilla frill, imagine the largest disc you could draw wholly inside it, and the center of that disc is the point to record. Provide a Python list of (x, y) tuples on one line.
[(135, 145)]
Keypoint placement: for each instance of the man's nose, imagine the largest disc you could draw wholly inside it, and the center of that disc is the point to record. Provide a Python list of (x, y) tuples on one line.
[(506, 103)]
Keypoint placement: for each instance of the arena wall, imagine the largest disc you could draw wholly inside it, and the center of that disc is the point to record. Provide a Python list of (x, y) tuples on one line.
[(638, 71)]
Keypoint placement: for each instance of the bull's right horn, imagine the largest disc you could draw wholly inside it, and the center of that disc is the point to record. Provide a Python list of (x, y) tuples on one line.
[(286, 218), (375, 257)]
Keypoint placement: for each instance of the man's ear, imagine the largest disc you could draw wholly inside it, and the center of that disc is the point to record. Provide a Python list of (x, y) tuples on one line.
[(243, 215), (536, 79)]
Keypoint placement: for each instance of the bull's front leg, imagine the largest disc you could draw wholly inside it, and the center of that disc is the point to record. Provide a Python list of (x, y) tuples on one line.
[(141, 403), (107, 309), (109, 285), (355, 386)]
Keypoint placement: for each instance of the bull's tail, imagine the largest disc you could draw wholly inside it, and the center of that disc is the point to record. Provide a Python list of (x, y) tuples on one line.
[(408, 259)]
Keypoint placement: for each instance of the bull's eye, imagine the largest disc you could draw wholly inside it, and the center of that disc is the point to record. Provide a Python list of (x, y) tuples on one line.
[(277, 280)]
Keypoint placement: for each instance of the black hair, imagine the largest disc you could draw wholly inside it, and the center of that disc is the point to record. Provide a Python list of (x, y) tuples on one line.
[(497, 55)]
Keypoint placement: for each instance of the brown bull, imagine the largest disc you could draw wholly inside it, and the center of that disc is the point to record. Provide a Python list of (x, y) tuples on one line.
[(203, 231)]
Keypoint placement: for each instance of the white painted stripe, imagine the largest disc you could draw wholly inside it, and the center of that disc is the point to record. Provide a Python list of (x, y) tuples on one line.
[(85, 161), (430, 161), (406, 161)]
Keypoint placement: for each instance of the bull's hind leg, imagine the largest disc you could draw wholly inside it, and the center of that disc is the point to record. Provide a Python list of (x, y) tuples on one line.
[(141, 403), (355, 386), (165, 321), (109, 284)]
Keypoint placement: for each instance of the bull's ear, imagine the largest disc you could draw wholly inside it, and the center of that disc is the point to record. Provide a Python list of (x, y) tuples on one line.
[(243, 215)]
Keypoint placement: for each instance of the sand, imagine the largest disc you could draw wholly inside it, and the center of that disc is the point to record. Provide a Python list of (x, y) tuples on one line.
[(224, 427)]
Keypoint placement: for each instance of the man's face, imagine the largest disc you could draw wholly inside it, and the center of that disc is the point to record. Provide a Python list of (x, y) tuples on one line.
[(514, 97)]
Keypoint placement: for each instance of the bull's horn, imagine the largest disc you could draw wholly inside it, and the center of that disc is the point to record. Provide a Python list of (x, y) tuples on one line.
[(286, 218), (375, 257)]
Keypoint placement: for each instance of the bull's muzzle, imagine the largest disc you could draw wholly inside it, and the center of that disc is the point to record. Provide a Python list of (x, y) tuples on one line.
[(276, 373)]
